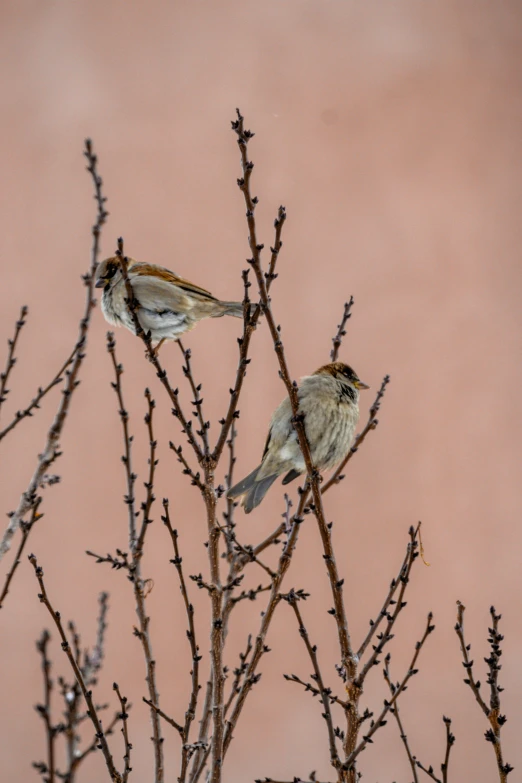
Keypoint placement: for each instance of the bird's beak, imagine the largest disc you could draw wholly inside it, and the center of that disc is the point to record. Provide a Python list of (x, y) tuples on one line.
[(360, 385), (101, 283)]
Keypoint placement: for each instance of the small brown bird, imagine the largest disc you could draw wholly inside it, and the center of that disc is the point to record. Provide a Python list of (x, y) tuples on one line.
[(329, 400), (168, 305)]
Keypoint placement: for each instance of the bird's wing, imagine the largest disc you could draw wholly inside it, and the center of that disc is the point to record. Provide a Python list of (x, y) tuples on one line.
[(280, 436), (160, 274), (163, 306)]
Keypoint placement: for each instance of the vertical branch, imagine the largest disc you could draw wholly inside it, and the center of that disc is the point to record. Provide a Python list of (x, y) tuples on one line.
[(194, 649), (25, 527), (123, 716), (51, 450), (492, 713), (11, 359), (250, 322), (396, 715), (347, 654), (399, 688), (45, 709), (134, 566), (341, 330), (251, 676), (127, 440), (87, 694), (229, 480), (292, 599), (216, 634), (149, 485), (198, 400)]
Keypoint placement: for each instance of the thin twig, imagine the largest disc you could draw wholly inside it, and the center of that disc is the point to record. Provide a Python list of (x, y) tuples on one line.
[(450, 740), (95, 744), (87, 694), (251, 676), (133, 567), (23, 413), (386, 636), (127, 439), (396, 714), (198, 400), (337, 340), (229, 481), (239, 673), (199, 759), (311, 779), (492, 713), (123, 715), (11, 358), (45, 709), (26, 529), (51, 450), (324, 692), (399, 688), (251, 321), (164, 715), (149, 484), (348, 658), (195, 478), (194, 649), (309, 688)]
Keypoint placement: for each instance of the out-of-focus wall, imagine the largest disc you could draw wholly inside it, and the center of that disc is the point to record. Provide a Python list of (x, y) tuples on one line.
[(391, 131)]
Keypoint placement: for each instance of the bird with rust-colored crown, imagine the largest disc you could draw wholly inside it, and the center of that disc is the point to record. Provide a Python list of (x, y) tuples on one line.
[(168, 305), (329, 400)]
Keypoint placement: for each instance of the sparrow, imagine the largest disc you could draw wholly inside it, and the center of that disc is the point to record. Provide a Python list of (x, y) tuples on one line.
[(329, 400), (169, 306)]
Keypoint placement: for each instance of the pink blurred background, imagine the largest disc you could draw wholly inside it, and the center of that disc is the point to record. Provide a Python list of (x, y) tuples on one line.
[(391, 131)]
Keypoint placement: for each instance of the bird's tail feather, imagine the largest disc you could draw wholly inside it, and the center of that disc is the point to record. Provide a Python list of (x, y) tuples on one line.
[(257, 493), (251, 490), (243, 486), (230, 308), (291, 475)]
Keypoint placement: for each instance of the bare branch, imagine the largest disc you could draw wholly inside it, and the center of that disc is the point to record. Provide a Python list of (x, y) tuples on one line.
[(337, 340), (195, 478), (51, 450), (26, 529), (123, 716), (149, 485), (198, 400), (87, 694), (386, 636), (11, 359), (164, 715), (399, 688), (492, 713), (127, 440), (44, 710), (429, 771), (251, 321), (324, 692), (309, 688), (194, 649)]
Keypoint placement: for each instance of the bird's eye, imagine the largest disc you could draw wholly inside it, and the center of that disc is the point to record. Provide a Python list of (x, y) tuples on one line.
[(111, 271)]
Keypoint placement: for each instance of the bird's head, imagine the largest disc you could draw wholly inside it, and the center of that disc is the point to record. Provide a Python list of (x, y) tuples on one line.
[(109, 271), (342, 373)]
